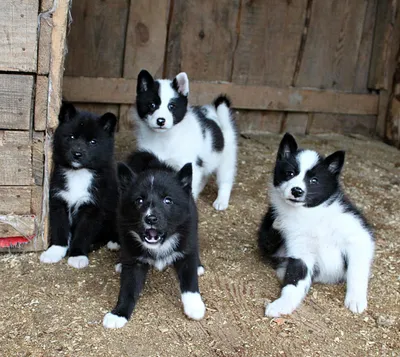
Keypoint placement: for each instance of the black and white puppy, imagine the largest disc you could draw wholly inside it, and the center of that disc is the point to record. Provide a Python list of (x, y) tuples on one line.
[(158, 227), (83, 187), (312, 232), (179, 133)]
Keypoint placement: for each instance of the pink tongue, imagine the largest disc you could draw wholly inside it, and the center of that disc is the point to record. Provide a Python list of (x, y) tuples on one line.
[(152, 233)]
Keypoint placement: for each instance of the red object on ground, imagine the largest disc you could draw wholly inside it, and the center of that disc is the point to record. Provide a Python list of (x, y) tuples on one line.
[(6, 242)]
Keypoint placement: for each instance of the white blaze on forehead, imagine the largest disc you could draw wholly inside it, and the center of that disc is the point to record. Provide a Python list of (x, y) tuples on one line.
[(166, 92), (307, 160)]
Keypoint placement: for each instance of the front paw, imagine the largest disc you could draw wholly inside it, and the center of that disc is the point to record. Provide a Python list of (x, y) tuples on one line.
[(356, 304), (220, 205), (54, 254), (193, 305), (79, 262), (114, 321), (279, 307), (113, 245)]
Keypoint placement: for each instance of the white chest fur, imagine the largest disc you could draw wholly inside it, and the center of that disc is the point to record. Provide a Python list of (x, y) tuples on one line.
[(77, 187)]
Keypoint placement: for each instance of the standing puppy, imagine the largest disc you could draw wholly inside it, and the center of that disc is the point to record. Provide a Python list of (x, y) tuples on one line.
[(312, 232), (83, 187), (158, 227), (178, 133)]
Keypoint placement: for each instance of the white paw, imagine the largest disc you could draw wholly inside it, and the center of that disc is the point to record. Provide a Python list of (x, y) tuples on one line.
[(200, 270), (220, 205), (356, 304), (113, 245), (118, 268), (54, 254), (78, 262), (279, 307), (113, 321), (193, 305)]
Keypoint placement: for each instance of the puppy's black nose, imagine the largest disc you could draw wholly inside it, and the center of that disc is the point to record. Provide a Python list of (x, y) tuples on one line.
[(151, 219), (77, 154), (297, 192), (160, 121)]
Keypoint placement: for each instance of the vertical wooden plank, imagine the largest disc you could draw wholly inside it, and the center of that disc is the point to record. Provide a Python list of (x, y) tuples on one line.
[(296, 123), (269, 41), (38, 157), (40, 113), (146, 37), (18, 40), (334, 37), (365, 52), (96, 40), (202, 39)]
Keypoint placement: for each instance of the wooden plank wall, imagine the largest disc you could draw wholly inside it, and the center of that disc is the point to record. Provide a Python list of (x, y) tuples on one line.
[(260, 46)]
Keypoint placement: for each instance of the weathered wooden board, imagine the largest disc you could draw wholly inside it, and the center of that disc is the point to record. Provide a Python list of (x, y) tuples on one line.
[(38, 157), (18, 40), (202, 38), (269, 42), (145, 37), (255, 121), (333, 42), (41, 102), (365, 51), (96, 40), (295, 123), (16, 93), (15, 158), (343, 124), (19, 226), (119, 90), (15, 200)]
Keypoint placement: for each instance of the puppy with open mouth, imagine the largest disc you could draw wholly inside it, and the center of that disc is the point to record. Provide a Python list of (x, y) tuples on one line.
[(158, 227)]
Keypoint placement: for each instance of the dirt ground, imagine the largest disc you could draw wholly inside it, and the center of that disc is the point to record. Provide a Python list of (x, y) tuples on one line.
[(56, 310)]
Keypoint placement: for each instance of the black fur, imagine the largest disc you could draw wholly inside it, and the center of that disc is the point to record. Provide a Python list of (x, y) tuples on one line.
[(199, 162), (91, 224), (211, 126), (296, 270), (151, 184)]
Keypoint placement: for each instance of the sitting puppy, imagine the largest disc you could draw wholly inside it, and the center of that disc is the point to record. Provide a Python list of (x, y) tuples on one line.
[(83, 187), (178, 133), (158, 227), (312, 232)]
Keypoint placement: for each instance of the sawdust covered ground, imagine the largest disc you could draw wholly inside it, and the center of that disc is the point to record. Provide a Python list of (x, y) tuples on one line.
[(57, 310)]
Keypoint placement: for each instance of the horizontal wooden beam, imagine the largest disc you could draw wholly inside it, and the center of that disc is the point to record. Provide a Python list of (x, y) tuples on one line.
[(123, 91)]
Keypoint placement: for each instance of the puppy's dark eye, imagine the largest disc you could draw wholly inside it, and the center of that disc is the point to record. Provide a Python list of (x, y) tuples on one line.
[(313, 181), (289, 174), (152, 106), (72, 137), (93, 142), (171, 106), (139, 201), (168, 201)]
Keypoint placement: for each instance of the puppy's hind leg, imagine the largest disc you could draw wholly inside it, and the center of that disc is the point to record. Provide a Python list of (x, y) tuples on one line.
[(225, 177)]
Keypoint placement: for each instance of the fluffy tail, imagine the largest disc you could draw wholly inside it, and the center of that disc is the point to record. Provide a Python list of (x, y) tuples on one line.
[(222, 106)]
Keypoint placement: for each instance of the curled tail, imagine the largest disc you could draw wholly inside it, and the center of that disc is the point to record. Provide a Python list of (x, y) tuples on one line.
[(222, 106)]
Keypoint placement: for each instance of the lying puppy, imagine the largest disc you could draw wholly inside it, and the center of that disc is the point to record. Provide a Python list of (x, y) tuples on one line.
[(179, 133), (312, 232), (158, 227), (83, 187)]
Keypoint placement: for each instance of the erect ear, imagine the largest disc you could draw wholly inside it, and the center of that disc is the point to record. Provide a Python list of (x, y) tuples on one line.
[(335, 162), (144, 81), (126, 176), (108, 121), (287, 147), (181, 84), (67, 111), (185, 176)]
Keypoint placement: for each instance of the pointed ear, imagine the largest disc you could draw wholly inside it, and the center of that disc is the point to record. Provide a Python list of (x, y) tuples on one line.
[(335, 162), (67, 112), (287, 147), (126, 176), (144, 81), (108, 121), (181, 84), (185, 177)]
